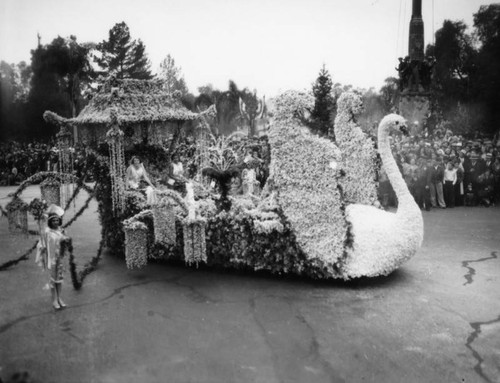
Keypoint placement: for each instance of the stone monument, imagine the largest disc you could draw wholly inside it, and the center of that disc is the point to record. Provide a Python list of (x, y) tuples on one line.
[(415, 75)]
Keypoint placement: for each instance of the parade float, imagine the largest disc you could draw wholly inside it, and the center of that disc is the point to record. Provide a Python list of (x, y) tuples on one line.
[(313, 212)]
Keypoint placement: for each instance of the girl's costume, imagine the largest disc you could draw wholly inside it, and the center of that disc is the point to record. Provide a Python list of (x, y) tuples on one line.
[(49, 254)]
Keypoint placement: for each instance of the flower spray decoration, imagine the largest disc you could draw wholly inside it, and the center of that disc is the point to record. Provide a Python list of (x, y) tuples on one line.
[(37, 208), (195, 250), (114, 138), (65, 153), (17, 215), (224, 164)]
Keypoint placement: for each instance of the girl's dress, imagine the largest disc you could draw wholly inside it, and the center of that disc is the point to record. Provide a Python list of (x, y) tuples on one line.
[(49, 254)]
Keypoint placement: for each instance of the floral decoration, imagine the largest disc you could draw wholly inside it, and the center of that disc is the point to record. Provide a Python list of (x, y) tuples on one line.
[(358, 153), (17, 215), (305, 183), (50, 189), (195, 249), (114, 137), (136, 245), (164, 223)]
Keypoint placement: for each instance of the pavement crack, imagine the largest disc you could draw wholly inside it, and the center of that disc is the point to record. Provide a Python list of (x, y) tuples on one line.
[(471, 271), (115, 292), (476, 326), (314, 351), (262, 328)]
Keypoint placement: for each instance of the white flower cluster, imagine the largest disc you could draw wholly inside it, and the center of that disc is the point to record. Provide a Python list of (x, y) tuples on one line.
[(136, 245), (358, 153), (306, 185)]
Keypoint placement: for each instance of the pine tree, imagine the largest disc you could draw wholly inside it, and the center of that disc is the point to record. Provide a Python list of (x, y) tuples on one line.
[(323, 103), (123, 57), (172, 75)]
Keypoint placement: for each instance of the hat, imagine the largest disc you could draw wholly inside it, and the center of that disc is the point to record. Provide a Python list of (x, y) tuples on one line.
[(54, 211)]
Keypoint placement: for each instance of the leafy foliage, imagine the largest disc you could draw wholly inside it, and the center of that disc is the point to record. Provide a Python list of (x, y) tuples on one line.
[(172, 76), (323, 103), (123, 57)]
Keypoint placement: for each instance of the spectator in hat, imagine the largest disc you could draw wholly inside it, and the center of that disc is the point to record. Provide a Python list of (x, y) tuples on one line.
[(423, 184), (449, 181), (489, 161), (437, 197), (472, 171), (495, 170), (485, 188), (459, 185)]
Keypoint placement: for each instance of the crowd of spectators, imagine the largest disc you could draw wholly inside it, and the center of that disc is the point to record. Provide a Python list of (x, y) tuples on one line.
[(19, 161), (441, 170), (445, 170)]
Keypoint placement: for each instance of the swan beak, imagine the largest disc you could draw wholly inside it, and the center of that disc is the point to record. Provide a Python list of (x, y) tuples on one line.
[(404, 130)]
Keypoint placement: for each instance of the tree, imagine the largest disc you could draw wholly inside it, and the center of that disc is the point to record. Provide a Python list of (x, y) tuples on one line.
[(455, 62), (323, 103), (172, 76), (123, 57), (228, 108), (390, 94), (61, 70), (14, 89), (487, 27)]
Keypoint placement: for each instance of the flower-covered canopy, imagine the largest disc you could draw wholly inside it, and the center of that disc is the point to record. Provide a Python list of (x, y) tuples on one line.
[(138, 104), (135, 101)]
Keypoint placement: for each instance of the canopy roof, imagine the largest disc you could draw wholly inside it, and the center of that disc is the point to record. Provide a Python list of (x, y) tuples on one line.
[(134, 101)]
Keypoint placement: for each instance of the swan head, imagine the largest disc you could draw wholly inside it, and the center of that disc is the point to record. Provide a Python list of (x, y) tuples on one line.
[(292, 104), (393, 123), (351, 102)]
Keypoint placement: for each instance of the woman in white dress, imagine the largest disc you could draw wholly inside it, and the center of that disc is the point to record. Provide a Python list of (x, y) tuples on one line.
[(136, 173)]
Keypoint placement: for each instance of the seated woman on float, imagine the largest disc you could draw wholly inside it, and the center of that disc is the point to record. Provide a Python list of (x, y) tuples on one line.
[(137, 178), (176, 179)]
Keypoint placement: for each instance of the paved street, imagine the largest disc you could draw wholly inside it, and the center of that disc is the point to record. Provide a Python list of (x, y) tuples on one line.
[(437, 319)]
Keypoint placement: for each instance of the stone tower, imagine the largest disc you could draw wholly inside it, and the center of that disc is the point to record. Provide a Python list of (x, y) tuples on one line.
[(415, 74)]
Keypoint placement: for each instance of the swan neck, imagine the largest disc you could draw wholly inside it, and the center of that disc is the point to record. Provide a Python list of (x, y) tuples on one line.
[(392, 170)]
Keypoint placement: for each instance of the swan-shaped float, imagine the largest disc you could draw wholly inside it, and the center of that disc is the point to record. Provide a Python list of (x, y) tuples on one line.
[(383, 240), (350, 240)]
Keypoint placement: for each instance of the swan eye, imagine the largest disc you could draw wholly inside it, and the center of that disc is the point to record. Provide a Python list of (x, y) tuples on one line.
[(397, 122)]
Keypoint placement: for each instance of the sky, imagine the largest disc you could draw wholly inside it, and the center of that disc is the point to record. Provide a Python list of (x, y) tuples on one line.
[(267, 45)]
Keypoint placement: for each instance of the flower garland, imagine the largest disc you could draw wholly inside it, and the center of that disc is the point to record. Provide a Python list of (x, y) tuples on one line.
[(36, 207), (23, 257), (114, 137), (78, 278), (195, 250), (65, 163), (40, 176)]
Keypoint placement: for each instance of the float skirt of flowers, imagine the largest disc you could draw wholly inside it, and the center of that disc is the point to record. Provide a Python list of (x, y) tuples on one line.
[(164, 223), (195, 250), (136, 245)]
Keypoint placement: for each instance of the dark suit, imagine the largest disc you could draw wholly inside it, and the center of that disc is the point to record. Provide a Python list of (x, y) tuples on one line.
[(437, 197)]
